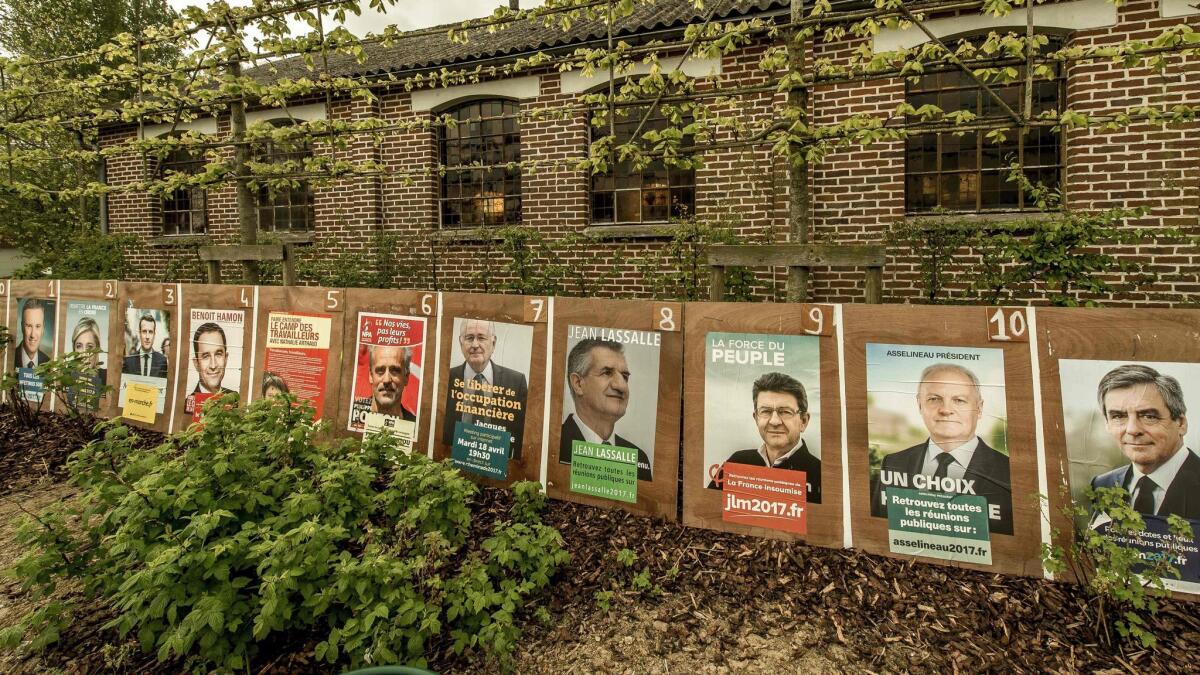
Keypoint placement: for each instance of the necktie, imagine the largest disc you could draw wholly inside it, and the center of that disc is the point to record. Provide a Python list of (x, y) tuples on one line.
[(944, 459), (145, 364), (469, 418), (29, 363), (1144, 502)]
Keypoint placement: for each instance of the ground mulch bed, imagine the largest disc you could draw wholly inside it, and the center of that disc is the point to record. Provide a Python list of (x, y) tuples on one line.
[(719, 603)]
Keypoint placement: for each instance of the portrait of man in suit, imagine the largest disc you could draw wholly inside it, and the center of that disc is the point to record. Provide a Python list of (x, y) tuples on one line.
[(482, 391), (1145, 415), (598, 379), (210, 355), (145, 361), (780, 411), (33, 327), (953, 458)]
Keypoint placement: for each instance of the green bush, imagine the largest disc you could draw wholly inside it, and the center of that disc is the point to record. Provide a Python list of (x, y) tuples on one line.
[(248, 526)]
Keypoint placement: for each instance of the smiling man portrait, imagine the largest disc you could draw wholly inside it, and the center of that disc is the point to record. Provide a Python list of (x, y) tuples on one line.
[(954, 458)]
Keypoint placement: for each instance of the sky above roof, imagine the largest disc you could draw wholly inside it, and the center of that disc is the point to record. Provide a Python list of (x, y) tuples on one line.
[(407, 14)]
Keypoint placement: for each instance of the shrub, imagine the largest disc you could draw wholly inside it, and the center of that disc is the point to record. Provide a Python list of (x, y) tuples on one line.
[(247, 526)]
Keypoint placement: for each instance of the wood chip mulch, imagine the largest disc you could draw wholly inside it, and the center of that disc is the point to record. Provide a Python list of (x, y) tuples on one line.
[(888, 614)]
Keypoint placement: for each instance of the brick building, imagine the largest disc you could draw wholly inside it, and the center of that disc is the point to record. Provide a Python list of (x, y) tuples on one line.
[(858, 194)]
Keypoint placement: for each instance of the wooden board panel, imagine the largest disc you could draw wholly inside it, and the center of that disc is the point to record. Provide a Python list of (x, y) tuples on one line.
[(95, 300), (137, 303), (217, 323), (41, 293), (521, 333), (648, 408), (1076, 348), (702, 506), (948, 327), (418, 308), (321, 305)]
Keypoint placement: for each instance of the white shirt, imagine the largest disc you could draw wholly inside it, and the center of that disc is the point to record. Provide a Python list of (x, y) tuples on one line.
[(1162, 476), (762, 452), (962, 458), (469, 373), (28, 361), (591, 436)]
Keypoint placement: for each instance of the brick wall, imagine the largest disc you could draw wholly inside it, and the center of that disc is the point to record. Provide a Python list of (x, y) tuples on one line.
[(858, 193)]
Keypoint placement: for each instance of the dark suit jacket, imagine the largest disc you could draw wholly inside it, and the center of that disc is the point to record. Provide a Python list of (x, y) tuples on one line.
[(221, 392), (19, 359), (988, 468), (132, 365), (571, 433), (502, 377), (1182, 498), (801, 460)]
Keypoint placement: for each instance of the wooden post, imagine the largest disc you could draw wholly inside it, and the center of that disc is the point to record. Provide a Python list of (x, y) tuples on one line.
[(214, 271), (874, 285), (798, 187), (289, 265), (716, 286)]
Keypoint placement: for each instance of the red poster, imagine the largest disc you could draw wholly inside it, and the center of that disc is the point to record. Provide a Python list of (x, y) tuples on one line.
[(388, 368), (298, 355), (765, 497)]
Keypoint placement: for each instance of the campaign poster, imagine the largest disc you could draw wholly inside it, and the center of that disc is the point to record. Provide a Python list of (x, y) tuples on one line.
[(147, 343), (297, 356), (388, 371), (87, 330), (762, 427), (216, 351), (34, 337), (610, 410), (1126, 426), (936, 428), (486, 392)]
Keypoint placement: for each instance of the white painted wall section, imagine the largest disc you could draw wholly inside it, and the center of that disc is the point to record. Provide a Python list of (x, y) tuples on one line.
[(575, 82), (1079, 15), (528, 86), (1173, 8)]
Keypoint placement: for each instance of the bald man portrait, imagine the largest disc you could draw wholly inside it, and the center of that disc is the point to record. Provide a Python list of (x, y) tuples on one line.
[(954, 457), (480, 376)]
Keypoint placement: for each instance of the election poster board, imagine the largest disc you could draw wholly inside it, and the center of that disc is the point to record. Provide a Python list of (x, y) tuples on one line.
[(215, 347), (1118, 389), (148, 315), (489, 423), (91, 319), (298, 346), (942, 451), (386, 385), (35, 307), (768, 464), (616, 380)]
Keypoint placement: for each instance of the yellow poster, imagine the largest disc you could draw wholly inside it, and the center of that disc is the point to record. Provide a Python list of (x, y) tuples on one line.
[(141, 401)]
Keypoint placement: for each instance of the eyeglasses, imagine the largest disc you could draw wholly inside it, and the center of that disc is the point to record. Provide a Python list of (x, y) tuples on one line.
[(785, 414), (1146, 418)]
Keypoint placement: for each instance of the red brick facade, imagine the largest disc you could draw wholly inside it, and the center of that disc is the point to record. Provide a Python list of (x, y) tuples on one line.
[(858, 194)]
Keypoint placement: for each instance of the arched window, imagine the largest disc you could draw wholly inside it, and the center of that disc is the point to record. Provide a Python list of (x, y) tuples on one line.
[(485, 133), (969, 173), (288, 208), (184, 210), (654, 194)]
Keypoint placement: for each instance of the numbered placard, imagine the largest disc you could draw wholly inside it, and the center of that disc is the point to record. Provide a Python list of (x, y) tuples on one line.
[(429, 304), (817, 320), (1007, 324), (668, 317), (536, 310), (169, 292), (110, 290), (333, 300), (3, 288), (246, 296)]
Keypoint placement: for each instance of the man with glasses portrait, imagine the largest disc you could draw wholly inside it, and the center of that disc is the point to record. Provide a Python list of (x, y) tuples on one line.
[(1145, 414), (781, 413), (954, 458)]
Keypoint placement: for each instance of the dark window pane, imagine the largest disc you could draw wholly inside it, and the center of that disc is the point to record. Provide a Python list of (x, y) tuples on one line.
[(629, 203)]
